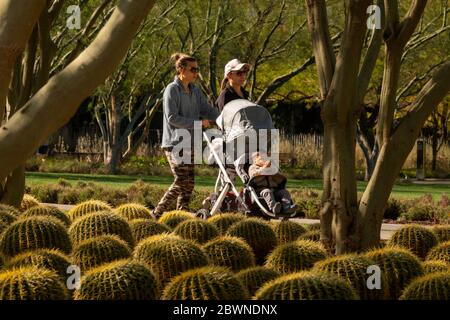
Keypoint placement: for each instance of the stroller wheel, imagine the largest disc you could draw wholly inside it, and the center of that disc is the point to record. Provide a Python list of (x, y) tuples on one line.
[(202, 214)]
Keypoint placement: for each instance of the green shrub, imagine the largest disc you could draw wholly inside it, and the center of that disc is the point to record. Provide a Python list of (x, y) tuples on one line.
[(255, 277), (118, 280), (417, 213), (197, 230), (307, 285), (131, 211), (50, 259), (63, 183), (288, 231), (441, 215), (28, 201), (69, 196), (416, 238), (230, 252), (394, 209), (295, 256), (96, 251), (444, 201), (47, 211), (175, 217), (207, 283), (435, 286), (310, 207), (432, 266), (423, 212), (144, 193), (258, 234), (399, 265), (440, 252), (100, 223), (169, 255), (224, 220), (143, 228), (31, 283), (87, 207), (114, 196), (312, 235), (442, 232), (353, 268), (47, 193), (32, 233)]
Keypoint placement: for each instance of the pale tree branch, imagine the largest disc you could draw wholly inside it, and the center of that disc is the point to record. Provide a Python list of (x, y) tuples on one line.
[(404, 90), (24, 132), (371, 57), (410, 21), (396, 38), (413, 45), (321, 42), (279, 81), (428, 98), (18, 18), (263, 48), (80, 37)]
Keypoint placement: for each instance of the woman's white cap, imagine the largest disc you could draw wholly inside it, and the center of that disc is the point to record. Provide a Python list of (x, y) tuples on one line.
[(235, 65)]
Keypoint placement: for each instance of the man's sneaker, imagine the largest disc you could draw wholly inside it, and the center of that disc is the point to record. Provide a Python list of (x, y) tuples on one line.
[(276, 208)]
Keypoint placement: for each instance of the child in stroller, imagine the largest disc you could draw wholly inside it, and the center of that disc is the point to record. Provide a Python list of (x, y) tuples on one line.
[(270, 184), (241, 119)]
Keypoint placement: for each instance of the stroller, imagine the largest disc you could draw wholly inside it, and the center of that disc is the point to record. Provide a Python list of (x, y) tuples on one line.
[(239, 120)]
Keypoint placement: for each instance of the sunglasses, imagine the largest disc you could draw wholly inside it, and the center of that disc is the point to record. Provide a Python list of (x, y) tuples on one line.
[(194, 69)]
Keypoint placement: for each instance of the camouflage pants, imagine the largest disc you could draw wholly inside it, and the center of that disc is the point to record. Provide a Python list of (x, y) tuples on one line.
[(181, 188)]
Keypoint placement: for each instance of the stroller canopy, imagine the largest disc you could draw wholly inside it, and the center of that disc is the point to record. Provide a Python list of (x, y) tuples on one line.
[(240, 115)]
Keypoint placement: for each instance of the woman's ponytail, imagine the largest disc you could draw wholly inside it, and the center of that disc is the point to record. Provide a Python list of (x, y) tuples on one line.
[(224, 83), (181, 60)]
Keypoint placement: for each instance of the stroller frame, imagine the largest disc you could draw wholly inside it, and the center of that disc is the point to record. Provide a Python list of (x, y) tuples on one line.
[(227, 185)]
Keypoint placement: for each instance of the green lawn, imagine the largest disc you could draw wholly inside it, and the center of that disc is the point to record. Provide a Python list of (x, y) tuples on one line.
[(401, 190)]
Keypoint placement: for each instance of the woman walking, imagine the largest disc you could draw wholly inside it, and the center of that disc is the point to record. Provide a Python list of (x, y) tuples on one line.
[(232, 88), (183, 103)]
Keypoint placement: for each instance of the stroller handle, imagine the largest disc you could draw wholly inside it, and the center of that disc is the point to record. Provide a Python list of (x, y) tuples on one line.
[(224, 171)]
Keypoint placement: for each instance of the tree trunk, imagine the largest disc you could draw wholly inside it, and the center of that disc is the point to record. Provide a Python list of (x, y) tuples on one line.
[(14, 188), (394, 153), (370, 152), (434, 151), (113, 142), (339, 196), (339, 115)]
